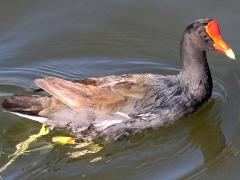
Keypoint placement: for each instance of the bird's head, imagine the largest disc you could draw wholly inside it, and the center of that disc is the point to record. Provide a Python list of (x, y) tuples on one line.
[(206, 33)]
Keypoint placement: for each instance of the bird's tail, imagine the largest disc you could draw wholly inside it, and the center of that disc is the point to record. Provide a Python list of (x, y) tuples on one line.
[(27, 106)]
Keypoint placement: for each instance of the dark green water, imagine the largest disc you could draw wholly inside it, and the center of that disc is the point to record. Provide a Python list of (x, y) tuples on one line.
[(78, 39)]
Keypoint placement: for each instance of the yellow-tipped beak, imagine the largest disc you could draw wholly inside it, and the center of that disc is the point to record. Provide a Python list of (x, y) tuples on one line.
[(219, 44), (230, 54)]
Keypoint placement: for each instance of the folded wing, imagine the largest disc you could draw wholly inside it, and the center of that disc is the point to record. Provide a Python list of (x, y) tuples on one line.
[(98, 93)]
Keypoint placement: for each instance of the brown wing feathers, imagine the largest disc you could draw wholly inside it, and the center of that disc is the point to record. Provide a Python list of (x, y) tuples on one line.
[(77, 95), (102, 94)]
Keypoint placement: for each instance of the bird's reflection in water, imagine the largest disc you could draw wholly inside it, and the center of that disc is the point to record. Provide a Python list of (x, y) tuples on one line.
[(206, 133)]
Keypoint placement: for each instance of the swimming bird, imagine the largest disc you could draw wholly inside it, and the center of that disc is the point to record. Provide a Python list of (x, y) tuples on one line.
[(112, 107)]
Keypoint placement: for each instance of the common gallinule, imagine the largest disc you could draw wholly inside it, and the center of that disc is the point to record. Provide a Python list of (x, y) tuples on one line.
[(115, 106)]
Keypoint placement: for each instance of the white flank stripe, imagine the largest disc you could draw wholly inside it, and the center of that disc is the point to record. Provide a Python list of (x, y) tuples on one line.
[(123, 115), (35, 118), (107, 123)]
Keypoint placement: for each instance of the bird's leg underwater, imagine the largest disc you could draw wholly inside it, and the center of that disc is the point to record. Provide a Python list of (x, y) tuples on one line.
[(23, 147), (89, 148)]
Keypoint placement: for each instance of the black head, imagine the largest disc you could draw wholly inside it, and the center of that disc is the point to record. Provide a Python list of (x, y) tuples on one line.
[(197, 32), (205, 34)]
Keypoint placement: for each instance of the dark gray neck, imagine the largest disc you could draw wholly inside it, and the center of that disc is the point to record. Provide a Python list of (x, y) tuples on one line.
[(195, 73)]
